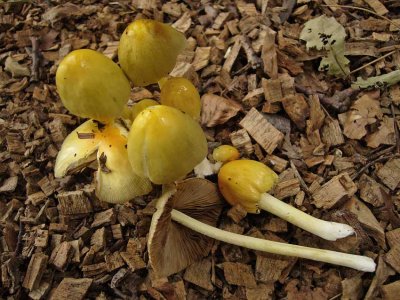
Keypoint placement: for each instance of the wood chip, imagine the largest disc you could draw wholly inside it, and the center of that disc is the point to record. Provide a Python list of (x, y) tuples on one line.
[(297, 109), (134, 261), (377, 6), (61, 256), (74, 202), (239, 274), (367, 220), (37, 266), (269, 55), (393, 258), (217, 110), (241, 140), (393, 237), (352, 288), (334, 191), (391, 291), (107, 217), (201, 58), (199, 274), (114, 261), (331, 134), (390, 173), (71, 288), (370, 191), (261, 130), (237, 213)]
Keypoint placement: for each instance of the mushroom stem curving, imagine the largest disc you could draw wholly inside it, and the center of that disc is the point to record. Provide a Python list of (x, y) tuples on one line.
[(357, 262), (325, 229)]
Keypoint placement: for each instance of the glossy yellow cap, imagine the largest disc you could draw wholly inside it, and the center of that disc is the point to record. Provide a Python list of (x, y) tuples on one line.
[(244, 181), (91, 85), (165, 144), (225, 153), (180, 93), (148, 50)]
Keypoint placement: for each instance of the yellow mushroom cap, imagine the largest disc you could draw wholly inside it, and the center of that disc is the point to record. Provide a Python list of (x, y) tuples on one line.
[(225, 153), (91, 85), (180, 93), (148, 50), (141, 105), (165, 144), (244, 181)]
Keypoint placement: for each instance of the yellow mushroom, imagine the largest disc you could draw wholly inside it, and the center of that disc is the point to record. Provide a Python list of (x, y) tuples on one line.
[(180, 93), (165, 144), (225, 153), (116, 181), (91, 85), (148, 50), (247, 182)]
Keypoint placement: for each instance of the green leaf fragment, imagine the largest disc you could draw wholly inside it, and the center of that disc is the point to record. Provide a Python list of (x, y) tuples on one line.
[(378, 81), (325, 33)]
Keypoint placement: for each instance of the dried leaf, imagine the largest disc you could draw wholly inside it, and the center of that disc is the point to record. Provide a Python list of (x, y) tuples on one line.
[(364, 111), (16, 69), (385, 134)]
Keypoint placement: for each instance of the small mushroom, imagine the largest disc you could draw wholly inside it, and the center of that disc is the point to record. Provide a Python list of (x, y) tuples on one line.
[(148, 50), (225, 153), (116, 181), (91, 85), (193, 206), (247, 182), (165, 144), (180, 93)]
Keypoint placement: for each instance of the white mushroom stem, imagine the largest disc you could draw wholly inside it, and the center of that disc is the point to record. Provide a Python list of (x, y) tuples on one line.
[(357, 262), (327, 230)]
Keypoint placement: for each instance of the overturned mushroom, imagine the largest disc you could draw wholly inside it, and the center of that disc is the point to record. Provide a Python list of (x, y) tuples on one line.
[(246, 182), (115, 180), (193, 206)]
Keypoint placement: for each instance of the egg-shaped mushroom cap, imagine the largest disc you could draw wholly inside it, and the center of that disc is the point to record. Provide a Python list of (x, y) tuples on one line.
[(172, 247), (165, 144), (91, 85), (148, 50), (244, 181)]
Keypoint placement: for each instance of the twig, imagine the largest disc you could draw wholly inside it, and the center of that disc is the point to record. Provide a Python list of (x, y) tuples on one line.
[(372, 62), (379, 159), (18, 247), (365, 10), (35, 58), (302, 183)]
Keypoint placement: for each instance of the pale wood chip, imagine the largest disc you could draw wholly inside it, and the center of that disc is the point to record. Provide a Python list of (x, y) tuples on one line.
[(98, 238), (352, 288), (384, 135), (9, 185), (390, 173), (241, 140), (116, 231), (269, 55), (334, 191), (42, 238), (277, 163), (383, 271), (217, 110), (112, 49), (199, 274), (286, 188), (134, 261), (201, 57), (183, 23), (37, 266), (71, 288), (231, 55), (262, 131), (94, 269)]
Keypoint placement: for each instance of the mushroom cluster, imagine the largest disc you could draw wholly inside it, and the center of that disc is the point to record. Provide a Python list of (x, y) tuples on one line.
[(139, 145), (160, 143)]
